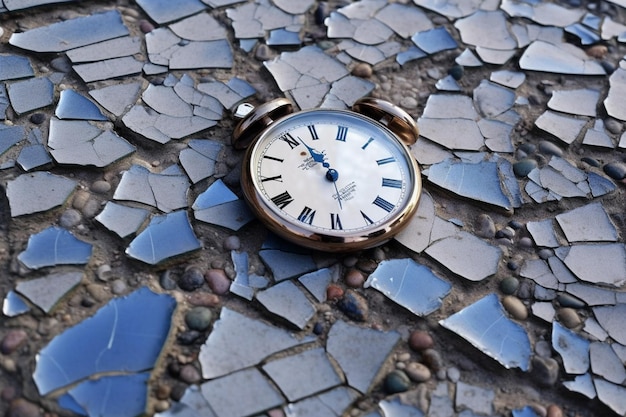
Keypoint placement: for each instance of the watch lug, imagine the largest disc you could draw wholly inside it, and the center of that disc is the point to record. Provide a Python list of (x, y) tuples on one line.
[(257, 119), (389, 115)]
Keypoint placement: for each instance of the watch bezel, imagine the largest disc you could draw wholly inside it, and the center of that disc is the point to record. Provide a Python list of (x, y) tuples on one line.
[(320, 241)]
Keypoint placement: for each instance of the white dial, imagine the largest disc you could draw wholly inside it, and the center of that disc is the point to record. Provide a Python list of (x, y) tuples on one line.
[(332, 173)]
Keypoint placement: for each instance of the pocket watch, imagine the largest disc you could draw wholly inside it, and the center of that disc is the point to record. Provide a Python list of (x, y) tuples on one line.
[(330, 180)]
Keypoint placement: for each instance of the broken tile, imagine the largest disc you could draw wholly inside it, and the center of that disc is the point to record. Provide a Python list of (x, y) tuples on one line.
[(492, 100), (72, 33), (543, 233), (581, 102), (598, 136), (560, 59), (544, 310), (285, 265), (582, 384), (456, 254), (361, 362), (605, 363), (46, 292), (484, 324), (114, 48), (391, 408), (592, 295), (612, 395), (574, 349), (54, 246), (487, 29), (403, 19), (598, 263), (117, 98), (163, 11), (455, 134), (333, 403), (548, 14), (565, 128), (614, 103), (14, 66), (589, 223), (538, 271), (122, 220), (200, 27), (242, 393), (593, 328), (30, 94), (228, 348), (468, 59), (525, 412), (116, 339), (30, 193), (494, 56), (10, 136), (479, 400), (252, 20), (511, 79), (166, 237), (434, 40), (110, 68), (289, 302), (165, 191), (409, 284), (451, 8), (14, 305), (416, 235), (232, 215), (75, 106), (303, 374), (611, 319), (317, 282), (585, 35)]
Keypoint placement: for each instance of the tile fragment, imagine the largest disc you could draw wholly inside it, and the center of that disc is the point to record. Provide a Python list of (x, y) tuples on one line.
[(47, 291), (543, 233), (54, 246), (611, 318), (122, 220), (10, 136), (286, 300), (611, 394), (13, 305), (31, 94), (487, 29), (601, 263), (479, 400), (564, 128), (285, 265), (72, 33), (409, 284), (30, 193), (605, 363), (167, 236), (451, 8), (598, 136), (573, 349), (434, 40), (117, 98), (114, 48), (294, 377), (492, 100), (72, 105), (316, 282), (163, 11), (511, 79), (580, 102), (560, 59), (589, 223), (333, 403), (416, 236), (360, 352), (485, 325), (116, 339), (227, 349), (582, 384), (110, 68), (165, 191), (404, 20), (242, 393), (14, 67)]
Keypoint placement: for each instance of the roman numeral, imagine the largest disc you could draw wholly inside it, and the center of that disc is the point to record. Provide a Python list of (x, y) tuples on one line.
[(273, 158), (383, 204), (388, 182), (289, 140), (312, 132), (306, 215), (366, 218), (278, 178), (370, 140), (282, 200), (342, 131), (335, 222), (386, 160)]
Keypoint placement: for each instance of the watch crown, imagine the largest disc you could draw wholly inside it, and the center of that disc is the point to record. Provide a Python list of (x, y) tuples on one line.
[(243, 110)]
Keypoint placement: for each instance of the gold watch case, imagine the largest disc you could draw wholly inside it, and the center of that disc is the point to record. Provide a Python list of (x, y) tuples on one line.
[(267, 118)]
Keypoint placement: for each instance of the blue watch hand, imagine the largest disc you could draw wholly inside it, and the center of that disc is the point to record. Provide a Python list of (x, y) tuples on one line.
[(332, 175), (317, 157)]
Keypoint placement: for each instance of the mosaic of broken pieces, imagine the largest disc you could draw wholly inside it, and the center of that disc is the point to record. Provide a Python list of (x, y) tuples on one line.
[(520, 105)]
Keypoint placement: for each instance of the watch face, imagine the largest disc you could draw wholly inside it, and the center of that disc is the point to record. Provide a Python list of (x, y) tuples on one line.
[(331, 179)]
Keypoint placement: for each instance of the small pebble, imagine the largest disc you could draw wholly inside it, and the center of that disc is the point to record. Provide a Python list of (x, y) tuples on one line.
[(232, 243), (526, 242), (188, 337), (568, 300), (118, 287), (507, 233), (145, 26), (37, 118), (615, 170), (166, 281), (509, 285), (23, 408), (263, 52), (318, 328), (8, 364), (8, 393), (408, 103), (80, 199), (354, 278), (12, 341), (485, 227), (543, 348), (397, 381), (554, 411), (590, 161), (354, 306), (569, 317), (189, 374), (453, 374), (334, 292), (522, 168), (367, 265), (417, 372), (192, 279), (456, 72), (545, 253), (549, 148), (218, 281), (362, 70), (198, 318), (433, 359), (597, 51), (515, 307), (100, 187), (205, 299), (161, 405), (420, 340), (70, 218), (613, 126), (545, 371), (163, 391)]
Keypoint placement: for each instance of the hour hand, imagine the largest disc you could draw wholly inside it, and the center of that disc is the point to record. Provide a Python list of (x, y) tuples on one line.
[(317, 156)]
